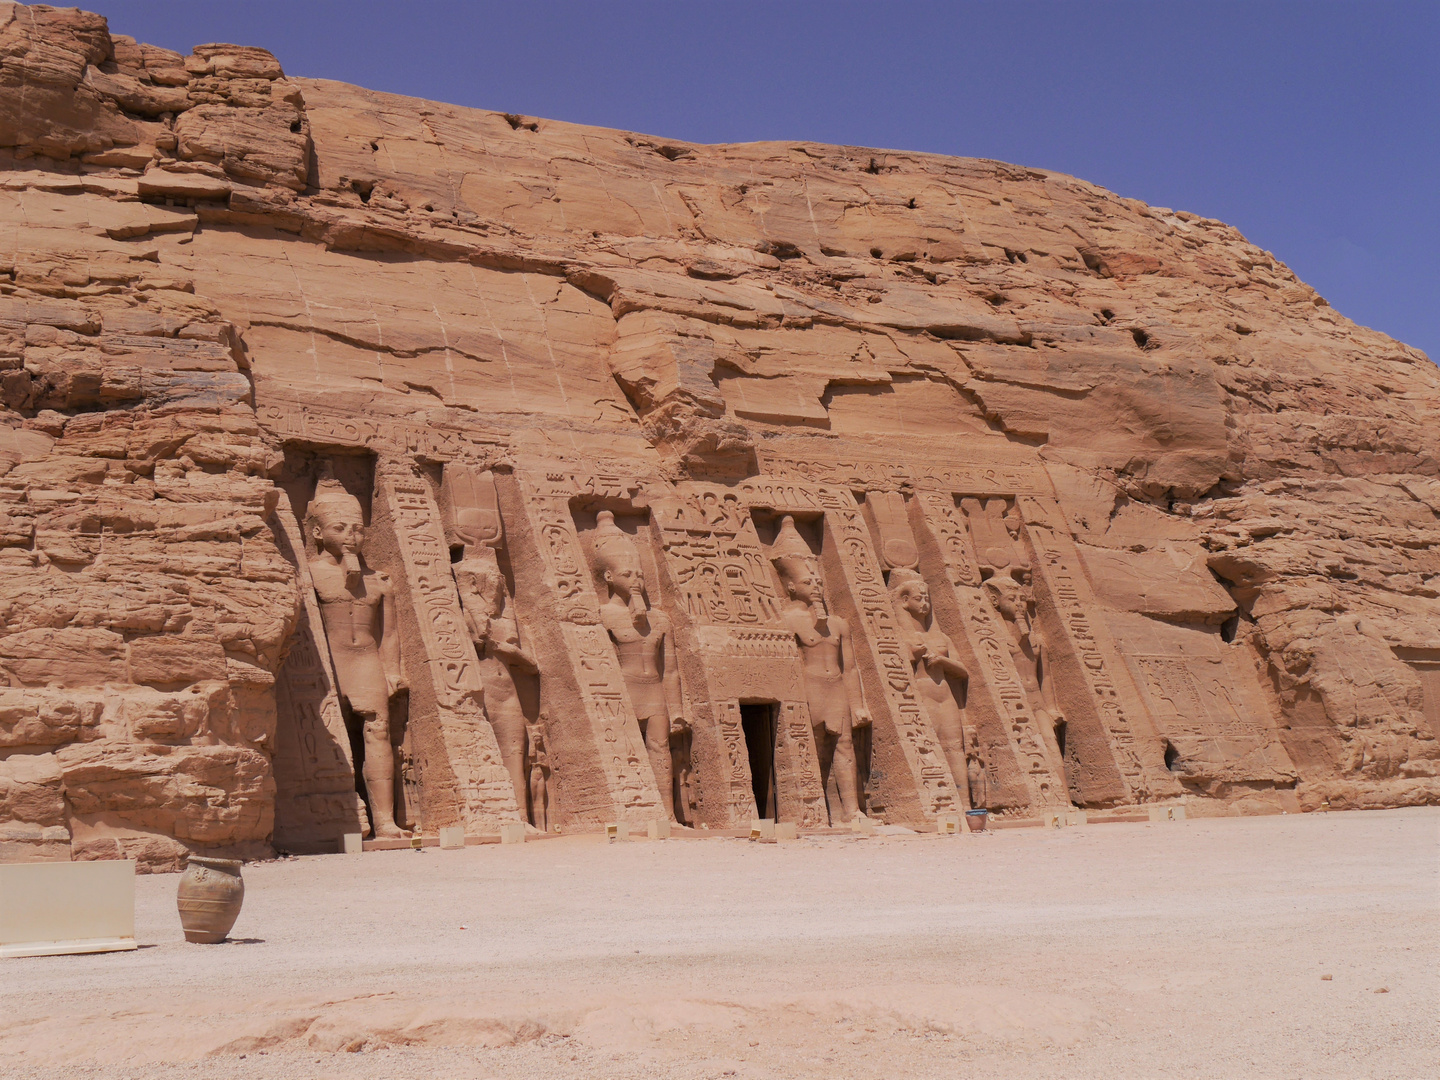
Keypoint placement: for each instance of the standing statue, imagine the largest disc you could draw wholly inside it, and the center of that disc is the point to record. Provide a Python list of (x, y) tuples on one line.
[(832, 682), (1027, 648), (934, 656), (539, 777), (645, 646), (486, 605), (357, 607)]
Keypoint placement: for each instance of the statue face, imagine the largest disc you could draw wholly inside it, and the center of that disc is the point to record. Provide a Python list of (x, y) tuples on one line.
[(805, 585), (626, 579), (338, 532), (916, 600)]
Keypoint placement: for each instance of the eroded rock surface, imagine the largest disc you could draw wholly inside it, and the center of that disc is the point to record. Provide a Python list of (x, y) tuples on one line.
[(1175, 516)]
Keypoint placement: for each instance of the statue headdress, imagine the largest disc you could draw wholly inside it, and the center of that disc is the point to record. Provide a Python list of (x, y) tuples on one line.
[(331, 495), (789, 544), (903, 576), (613, 546), (790, 552)]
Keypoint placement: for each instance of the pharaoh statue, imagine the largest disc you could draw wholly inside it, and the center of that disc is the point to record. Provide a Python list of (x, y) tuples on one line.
[(934, 656), (1012, 600), (485, 602), (645, 646), (832, 681), (357, 607)]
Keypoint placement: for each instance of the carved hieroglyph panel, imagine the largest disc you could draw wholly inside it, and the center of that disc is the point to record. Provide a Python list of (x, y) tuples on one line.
[(730, 621), (857, 472), (463, 779), (989, 641), (316, 801), (304, 422), (597, 734), (1060, 576), (926, 787)]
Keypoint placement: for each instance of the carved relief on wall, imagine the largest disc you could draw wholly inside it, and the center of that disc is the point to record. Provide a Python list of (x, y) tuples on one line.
[(909, 777), (645, 647), (599, 763), (834, 697), (1125, 729), (473, 525)]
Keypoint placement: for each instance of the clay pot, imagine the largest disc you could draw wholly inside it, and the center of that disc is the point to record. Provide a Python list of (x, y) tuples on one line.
[(209, 898), (977, 819)]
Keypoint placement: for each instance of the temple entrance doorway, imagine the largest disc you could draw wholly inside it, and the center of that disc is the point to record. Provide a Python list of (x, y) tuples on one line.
[(757, 721)]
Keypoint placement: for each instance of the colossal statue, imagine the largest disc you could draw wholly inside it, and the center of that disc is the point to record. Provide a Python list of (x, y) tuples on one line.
[(473, 522), (832, 682), (645, 647), (1013, 600), (357, 607), (934, 656)]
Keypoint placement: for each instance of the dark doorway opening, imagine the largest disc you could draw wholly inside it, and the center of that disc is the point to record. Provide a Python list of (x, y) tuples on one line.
[(757, 720), (1172, 756)]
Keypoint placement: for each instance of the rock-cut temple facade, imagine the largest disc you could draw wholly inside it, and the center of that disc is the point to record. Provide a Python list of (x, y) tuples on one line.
[(371, 465)]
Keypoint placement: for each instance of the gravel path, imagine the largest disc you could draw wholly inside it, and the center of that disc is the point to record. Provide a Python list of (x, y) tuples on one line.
[(1177, 949)]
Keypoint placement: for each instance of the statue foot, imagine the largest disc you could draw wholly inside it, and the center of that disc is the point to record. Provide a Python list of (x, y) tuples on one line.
[(389, 831)]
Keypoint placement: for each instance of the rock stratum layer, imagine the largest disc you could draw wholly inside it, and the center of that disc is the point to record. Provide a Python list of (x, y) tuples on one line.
[(1174, 516)]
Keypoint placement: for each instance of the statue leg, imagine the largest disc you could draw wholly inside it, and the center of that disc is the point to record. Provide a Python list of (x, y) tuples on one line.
[(657, 745), (537, 799), (379, 774), (507, 720), (843, 767), (825, 755)]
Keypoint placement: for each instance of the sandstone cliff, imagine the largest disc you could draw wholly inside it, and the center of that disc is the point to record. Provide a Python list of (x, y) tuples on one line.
[(1176, 515)]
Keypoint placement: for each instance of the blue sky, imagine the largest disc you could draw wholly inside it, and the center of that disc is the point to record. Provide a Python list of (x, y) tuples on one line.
[(1313, 127)]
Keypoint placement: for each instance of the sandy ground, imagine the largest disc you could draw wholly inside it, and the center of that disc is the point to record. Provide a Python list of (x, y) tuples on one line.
[(1175, 950)]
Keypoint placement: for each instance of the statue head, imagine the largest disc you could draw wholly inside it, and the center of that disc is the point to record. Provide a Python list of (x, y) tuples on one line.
[(335, 524), (911, 594), (1010, 599), (484, 564), (798, 568), (618, 561)]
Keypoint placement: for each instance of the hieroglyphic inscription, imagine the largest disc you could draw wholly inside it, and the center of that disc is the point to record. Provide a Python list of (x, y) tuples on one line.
[(758, 644), (862, 474), (435, 442), (1058, 569), (990, 642), (795, 749), (717, 563), (867, 586), (448, 649), (732, 734), (1190, 706), (482, 787), (949, 528), (570, 592)]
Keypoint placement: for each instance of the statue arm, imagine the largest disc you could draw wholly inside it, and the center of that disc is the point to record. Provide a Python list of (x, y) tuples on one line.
[(507, 647), (859, 715), (390, 639), (674, 699), (952, 667)]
